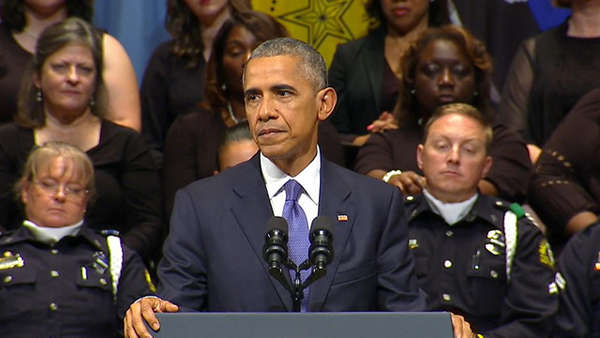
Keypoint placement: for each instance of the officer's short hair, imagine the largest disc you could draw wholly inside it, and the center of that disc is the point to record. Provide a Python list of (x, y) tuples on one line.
[(42, 155), (464, 110), (311, 62)]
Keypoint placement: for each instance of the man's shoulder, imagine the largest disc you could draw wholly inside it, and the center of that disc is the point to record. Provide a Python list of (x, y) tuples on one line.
[(505, 212)]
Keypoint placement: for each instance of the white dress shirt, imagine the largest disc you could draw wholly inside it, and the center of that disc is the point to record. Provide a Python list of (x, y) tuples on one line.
[(309, 178)]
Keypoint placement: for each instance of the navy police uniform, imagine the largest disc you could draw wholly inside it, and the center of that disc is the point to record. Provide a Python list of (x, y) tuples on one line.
[(65, 289), (464, 268), (579, 263)]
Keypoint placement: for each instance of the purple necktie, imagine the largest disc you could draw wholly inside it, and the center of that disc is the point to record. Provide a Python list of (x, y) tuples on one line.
[(298, 231)]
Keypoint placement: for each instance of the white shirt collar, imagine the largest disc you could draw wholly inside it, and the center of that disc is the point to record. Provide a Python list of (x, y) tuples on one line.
[(452, 213), (308, 178), (52, 235)]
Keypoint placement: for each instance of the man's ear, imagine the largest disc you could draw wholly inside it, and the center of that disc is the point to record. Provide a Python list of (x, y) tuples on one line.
[(327, 98), (420, 156), (25, 193), (487, 166)]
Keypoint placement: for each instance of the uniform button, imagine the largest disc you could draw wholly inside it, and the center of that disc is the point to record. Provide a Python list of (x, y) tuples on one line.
[(54, 274), (449, 233), (102, 281), (446, 297), (494, 274), (447, 264), (8, 279), (53, 307), (54, 251), (409, 198), (499, 203)]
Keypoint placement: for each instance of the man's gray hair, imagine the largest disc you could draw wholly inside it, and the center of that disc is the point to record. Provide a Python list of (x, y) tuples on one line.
[(311, 62)]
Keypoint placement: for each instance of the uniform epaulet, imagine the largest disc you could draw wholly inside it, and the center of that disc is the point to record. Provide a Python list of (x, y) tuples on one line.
[(517, 209)]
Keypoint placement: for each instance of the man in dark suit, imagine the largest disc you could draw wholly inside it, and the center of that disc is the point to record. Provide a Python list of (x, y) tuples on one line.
[(213, 256)]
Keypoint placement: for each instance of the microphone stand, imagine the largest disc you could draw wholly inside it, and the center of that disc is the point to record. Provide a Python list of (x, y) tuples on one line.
[(297, 289)]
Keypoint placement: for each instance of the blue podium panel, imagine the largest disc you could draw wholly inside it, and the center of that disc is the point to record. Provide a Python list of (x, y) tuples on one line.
[(305, 325)]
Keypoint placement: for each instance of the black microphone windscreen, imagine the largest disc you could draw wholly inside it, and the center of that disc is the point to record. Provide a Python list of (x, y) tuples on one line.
[(277, 222), (322, 222)]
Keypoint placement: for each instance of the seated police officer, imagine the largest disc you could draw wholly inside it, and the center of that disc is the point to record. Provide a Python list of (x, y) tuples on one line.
[(476, 255), (58, 278), (579, 263)]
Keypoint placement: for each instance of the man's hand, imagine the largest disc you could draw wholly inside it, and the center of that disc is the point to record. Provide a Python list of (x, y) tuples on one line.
[(143, 310), (462, 329), (409, 182)]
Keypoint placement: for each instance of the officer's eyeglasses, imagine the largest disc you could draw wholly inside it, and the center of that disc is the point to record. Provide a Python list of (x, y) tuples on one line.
[(69, 190)]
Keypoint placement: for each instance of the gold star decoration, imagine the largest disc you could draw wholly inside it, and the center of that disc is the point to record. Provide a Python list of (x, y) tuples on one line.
[(322, 18)]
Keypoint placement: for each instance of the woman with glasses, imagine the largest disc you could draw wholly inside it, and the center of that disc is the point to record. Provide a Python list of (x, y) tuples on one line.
[(59, 277), (63, 99)]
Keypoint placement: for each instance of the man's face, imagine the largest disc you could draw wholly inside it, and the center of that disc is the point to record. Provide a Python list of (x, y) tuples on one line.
[(454, 157), (283, 108)]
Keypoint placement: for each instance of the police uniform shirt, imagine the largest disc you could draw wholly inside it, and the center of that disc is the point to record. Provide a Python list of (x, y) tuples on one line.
[(579, 264), (463, 269), (64, 289)]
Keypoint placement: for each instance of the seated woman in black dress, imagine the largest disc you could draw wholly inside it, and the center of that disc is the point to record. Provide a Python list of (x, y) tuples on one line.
[(59, 277), (174, 78), (445, 65), (63, 99), (366, 73), (565, 189), (21, 23), (551, 72)]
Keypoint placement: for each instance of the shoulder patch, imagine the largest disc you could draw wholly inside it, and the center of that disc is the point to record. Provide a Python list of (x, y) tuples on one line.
[(545, 253)]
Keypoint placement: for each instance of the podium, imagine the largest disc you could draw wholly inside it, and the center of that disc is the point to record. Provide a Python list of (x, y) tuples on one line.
[(305, 325)]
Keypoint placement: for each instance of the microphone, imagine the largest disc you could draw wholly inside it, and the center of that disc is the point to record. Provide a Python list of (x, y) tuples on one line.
[(320, 252), (275, 250)]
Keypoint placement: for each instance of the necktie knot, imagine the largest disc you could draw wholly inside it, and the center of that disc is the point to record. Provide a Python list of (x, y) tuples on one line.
[(292, 190)]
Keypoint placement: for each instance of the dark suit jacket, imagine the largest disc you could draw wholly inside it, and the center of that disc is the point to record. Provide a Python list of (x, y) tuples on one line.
[(213, 255), (356, 73)]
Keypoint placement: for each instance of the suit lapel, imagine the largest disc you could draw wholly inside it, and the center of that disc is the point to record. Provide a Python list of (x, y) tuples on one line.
[(373, 63), (335, 203), (252, 213)]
